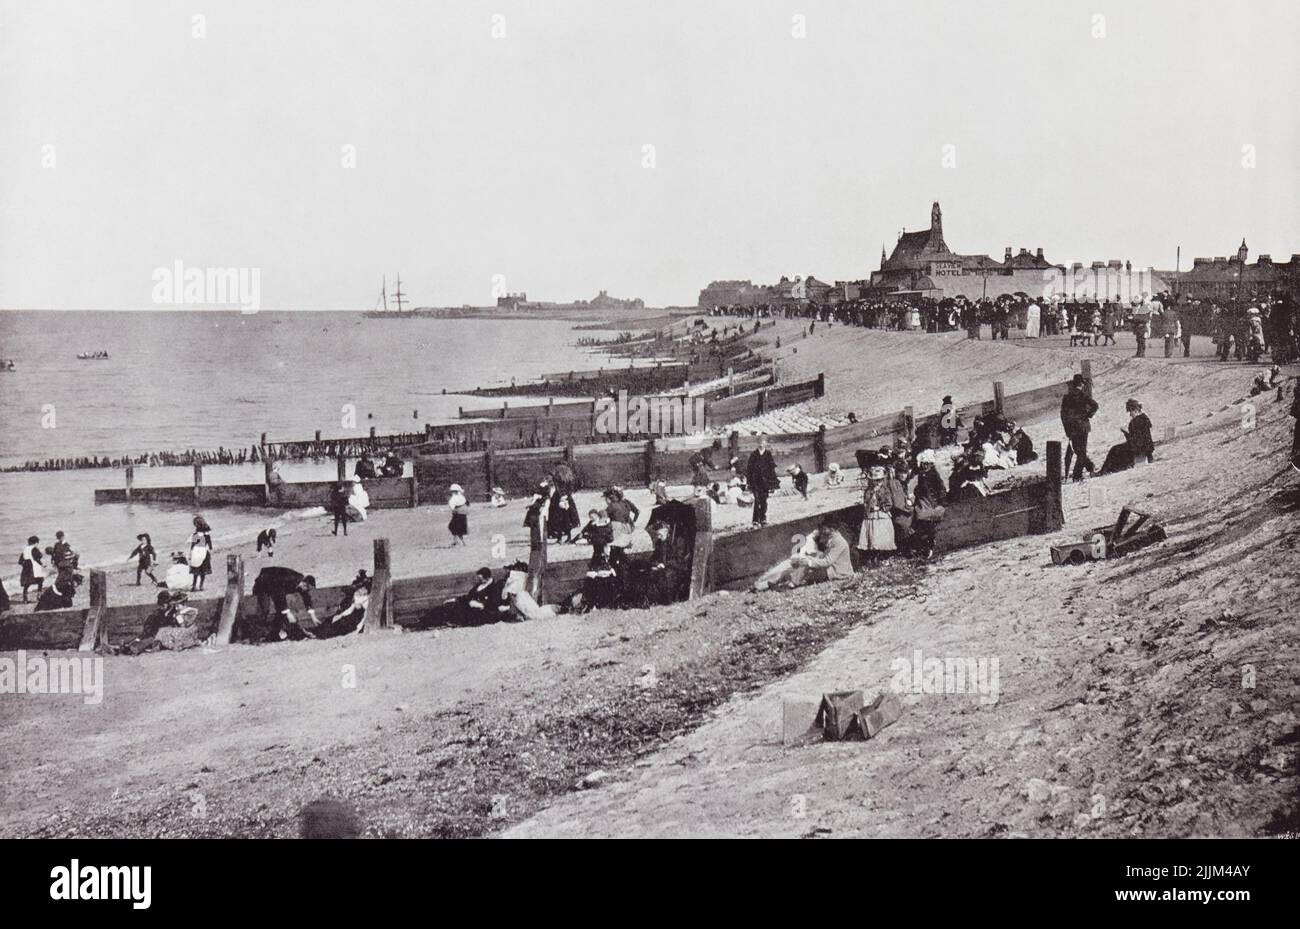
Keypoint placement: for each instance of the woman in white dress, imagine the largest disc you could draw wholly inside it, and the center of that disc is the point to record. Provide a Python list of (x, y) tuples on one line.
[(358, 501), (877, 535), (1032, 321)]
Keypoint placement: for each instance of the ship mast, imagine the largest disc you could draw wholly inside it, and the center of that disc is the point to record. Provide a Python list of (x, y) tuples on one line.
[(398, 294), (383, 293)]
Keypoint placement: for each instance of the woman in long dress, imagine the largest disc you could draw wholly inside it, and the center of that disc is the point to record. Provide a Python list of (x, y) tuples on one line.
[(877, 535), (33, 571), (459, 506), (358, 500)]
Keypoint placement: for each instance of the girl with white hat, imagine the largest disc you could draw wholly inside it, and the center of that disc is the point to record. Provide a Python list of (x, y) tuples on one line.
[(459, 507), (877, 534)]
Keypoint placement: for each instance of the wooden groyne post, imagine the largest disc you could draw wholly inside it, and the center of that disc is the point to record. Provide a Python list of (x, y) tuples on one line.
[(1053, 513), (381, 588), (702, 548), (819, 449), (198, 483), (93, 633), (232, 600), (999, 397), (130, 481), (536, 583)]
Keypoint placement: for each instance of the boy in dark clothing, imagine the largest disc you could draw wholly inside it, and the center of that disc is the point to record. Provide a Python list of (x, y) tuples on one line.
[(339, 506)]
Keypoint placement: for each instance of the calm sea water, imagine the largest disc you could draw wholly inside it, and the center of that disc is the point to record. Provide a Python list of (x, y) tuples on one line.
[(176, 380)]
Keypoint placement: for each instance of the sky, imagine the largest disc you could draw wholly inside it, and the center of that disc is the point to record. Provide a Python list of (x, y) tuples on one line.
[(643, 148)]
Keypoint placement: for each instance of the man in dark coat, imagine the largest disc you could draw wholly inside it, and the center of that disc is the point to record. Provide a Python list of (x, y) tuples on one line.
[(1077, 409), (272, 588), (761, 474)]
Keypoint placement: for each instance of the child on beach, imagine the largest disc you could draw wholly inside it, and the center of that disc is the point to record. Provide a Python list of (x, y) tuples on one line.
[(145, 557), (266, 540), (33, 572), (200, 555), (459, 507)]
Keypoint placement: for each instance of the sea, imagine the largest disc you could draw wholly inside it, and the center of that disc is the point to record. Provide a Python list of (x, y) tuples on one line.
[(176, 380)]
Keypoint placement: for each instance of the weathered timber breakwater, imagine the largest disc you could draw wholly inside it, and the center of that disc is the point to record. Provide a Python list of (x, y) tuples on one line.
[(221, 456)]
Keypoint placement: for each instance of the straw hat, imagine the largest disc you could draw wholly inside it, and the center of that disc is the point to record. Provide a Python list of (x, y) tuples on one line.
[(456, 488)]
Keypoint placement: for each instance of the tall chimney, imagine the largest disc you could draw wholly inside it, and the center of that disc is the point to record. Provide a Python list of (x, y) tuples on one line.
[(1006, 256)]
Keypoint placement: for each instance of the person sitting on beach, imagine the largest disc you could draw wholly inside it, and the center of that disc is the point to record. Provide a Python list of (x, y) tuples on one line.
[(523, 606), (834, 476), (498, 497), (1023, 446), (393, 466), (266, 539), (789, 571), (365, 467), (600, 585), (351, 615), (998, 453), (358, 501), (598, 532), (1138, 444), (165, 614), (58, 596), (483, 603), (799, 478), (145, 557), (738, 492), (832, 560), (928, 495), (968, 476), (623, 515), (273, 587)]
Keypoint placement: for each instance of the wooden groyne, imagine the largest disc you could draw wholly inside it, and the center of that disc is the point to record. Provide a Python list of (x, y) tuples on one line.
[(219, 456), (599, 461), (727, 561)]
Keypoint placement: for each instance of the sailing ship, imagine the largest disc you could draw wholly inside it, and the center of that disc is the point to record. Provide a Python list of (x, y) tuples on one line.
[(387, 313)]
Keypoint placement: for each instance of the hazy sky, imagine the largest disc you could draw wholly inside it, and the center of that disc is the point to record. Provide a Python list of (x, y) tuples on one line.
[(523, 155)]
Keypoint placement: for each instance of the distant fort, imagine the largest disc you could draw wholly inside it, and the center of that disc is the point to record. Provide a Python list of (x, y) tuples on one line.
[(602, 301)]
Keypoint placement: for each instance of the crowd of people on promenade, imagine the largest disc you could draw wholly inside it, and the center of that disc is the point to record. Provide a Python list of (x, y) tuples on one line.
[(1241, 329)]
